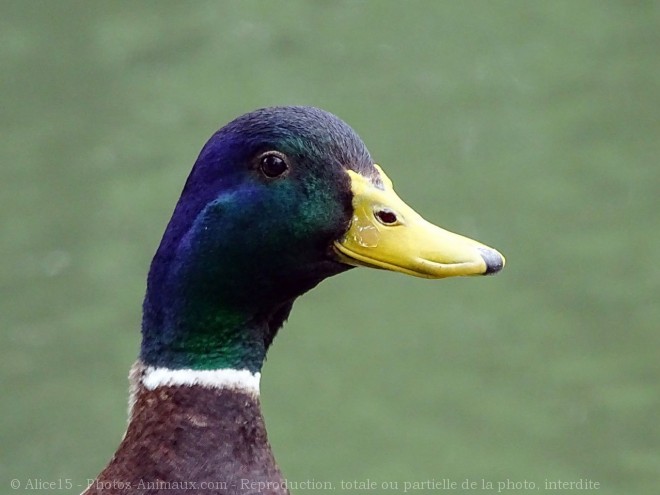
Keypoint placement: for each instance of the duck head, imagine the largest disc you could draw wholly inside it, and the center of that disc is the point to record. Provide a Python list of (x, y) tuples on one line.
[(278, 200)]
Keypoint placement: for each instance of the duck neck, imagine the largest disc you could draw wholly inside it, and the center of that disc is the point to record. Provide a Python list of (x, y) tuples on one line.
[(204, 340), (203, 312), (203, 328)]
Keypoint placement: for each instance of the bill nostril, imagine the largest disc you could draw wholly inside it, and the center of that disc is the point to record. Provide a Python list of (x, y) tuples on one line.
[(386, 217)]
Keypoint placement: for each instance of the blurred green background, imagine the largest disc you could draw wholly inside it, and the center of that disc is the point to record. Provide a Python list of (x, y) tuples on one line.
[(531, 126)]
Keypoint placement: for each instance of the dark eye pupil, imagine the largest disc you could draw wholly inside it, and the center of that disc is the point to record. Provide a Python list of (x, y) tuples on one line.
[(272, 166)]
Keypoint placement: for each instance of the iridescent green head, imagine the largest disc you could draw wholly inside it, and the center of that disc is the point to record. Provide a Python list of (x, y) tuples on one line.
[(269, 210)]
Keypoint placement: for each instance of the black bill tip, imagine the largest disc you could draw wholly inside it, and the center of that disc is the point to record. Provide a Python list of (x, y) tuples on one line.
[(494, 260)]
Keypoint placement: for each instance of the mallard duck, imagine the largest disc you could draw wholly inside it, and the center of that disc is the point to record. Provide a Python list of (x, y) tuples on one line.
[(278, 200)]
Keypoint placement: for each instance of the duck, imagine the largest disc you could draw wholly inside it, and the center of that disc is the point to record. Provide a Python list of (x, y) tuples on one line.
[(278, 200)]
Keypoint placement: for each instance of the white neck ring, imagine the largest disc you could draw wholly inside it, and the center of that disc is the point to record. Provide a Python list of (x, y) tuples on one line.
[(154, 377)]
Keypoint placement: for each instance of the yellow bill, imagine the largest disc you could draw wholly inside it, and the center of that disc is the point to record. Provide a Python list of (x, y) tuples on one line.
[(387, 233)]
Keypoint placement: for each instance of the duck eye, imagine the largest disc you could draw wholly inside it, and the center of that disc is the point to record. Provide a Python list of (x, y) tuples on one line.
[(387, 217), (273, 165)]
